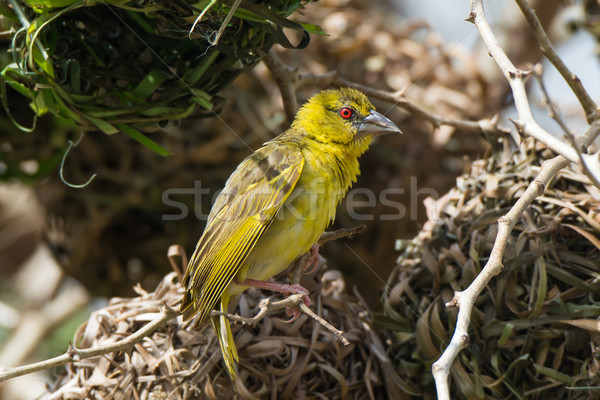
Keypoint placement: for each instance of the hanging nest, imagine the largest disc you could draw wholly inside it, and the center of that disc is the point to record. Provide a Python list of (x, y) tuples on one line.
[(129, 66), (534, 329), (277, 359)]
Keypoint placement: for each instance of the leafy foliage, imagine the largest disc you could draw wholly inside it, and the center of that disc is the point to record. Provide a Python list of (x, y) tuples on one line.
[(134, 66)]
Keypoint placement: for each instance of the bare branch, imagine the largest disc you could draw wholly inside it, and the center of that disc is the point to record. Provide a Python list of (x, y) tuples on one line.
[(516, 80), (538, 71), (466, 299), (554, 114), (296, 300), (286, 78), (74, 354), (591, 111), (265, 307), (289, 79), (341, 233), (527, 124), (336, 332)]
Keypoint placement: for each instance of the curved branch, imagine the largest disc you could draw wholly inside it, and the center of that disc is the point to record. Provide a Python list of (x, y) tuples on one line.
[(289, 79), (516, 79), (466, 299), (74, 354), (527, 124), (591, 111), (167, 313)]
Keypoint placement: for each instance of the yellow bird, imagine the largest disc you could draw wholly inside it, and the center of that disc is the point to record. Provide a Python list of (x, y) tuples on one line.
[(276, 205)]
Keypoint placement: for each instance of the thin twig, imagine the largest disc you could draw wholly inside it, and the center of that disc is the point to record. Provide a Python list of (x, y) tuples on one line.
[(62, 165), (516, 79), (538, 71), (336, 332), (591, 111), (289, 79), (74, 354), (265, 306), (555, 115), (296, 300), (341, 233)]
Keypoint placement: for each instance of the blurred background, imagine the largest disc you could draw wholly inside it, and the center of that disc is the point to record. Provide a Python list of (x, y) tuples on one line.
[(64, 251)]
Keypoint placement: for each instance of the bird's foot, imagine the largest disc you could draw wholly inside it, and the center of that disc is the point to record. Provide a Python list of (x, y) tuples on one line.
[(313, 261), (284, 288), (292, 312)]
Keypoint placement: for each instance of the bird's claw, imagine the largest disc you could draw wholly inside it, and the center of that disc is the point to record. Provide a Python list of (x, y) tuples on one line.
[(292, 312), (314, 260), (297, 289)]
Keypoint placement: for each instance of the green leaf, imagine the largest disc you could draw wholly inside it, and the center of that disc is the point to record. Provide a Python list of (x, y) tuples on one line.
[(50, 3), (192, 76), (506, 333), (102, 125), (75, 76), (141, 21), (542, 287), (169, 112), (44, 63), (285, 42), (38, 105), (144, 140), (266, 13), (149, 84), (312, 28), (10, 75), (554, 375), (202, 98), (6, 79)]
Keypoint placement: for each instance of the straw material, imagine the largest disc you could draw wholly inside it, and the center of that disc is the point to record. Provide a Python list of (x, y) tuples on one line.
[(534, 331), (278, 360)]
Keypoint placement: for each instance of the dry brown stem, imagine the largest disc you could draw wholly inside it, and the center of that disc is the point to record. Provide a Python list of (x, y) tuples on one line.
[(588, 105), (176, 253), (289, 79), (555, 115), (341, 233), (296, 300), (74, 354), (527, 124)]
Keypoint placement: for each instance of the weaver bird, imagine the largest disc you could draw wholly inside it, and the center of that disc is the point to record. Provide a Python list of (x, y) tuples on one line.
[(276, 205)]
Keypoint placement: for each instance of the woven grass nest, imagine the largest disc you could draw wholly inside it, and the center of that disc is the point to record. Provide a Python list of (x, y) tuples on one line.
[(134, 65), (534, 331), (277, 359)]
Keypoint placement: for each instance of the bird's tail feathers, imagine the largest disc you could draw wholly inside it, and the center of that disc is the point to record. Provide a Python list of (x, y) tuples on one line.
[(223, 331)]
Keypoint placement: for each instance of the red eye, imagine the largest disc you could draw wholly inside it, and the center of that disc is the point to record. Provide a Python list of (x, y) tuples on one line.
[(346, 112)]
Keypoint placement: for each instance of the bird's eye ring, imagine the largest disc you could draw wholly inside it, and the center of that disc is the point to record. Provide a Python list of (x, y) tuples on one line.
[(346, 112)]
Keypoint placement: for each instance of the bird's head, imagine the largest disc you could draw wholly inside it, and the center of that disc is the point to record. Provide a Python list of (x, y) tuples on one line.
[(341, 116)]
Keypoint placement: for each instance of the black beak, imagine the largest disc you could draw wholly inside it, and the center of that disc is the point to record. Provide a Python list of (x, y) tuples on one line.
[(376, 124)]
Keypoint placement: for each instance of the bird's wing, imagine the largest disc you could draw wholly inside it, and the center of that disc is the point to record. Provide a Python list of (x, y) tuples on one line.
[(241, 214)]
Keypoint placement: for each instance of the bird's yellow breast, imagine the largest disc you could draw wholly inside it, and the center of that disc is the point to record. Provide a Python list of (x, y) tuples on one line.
[(310, 208)]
